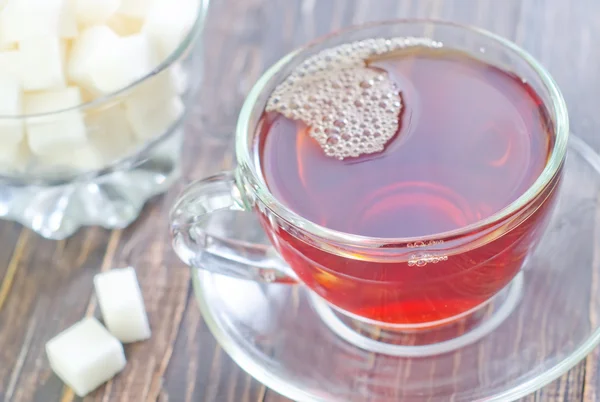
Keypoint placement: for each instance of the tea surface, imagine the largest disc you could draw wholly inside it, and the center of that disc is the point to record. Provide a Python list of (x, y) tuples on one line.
[(472, 138)]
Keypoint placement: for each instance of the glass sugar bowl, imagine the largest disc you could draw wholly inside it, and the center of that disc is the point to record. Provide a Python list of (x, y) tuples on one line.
[(91, 118)]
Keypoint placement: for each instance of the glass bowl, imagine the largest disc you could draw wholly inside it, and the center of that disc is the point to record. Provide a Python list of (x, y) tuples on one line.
[(126, 161)]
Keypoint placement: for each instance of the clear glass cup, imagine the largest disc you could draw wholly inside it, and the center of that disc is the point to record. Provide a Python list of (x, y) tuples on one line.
[(125, 162), (210, 232)]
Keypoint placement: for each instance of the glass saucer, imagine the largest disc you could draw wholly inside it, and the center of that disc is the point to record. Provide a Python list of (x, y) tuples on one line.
[(544, 323)]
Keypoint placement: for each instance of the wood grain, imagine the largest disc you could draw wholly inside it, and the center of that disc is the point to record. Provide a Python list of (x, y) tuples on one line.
[(46, 286)]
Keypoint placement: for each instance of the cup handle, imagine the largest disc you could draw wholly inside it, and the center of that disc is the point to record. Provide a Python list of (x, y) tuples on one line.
[(202, 243)]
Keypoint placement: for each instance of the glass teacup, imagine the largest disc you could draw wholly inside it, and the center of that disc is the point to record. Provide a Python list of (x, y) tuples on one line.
[(400, 285)]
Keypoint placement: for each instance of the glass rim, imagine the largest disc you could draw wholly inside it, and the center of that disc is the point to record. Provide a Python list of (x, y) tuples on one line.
[(65, 177), (260, 189)]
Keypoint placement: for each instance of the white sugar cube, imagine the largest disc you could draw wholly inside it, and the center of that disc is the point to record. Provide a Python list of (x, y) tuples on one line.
[(168, 22), (155, 105), (110, 132), (167, 84), (134, 8), (48, 134), (11, 104), (14, 156), (122, 305), (67, 26), (83, 157), (124, 25), (91, 47), (87, 157), (150, 118), (85, 356), (10, 63), (23, 19), (50, 101), (42, 63), (7, 46), (131, 59), (95, 12)]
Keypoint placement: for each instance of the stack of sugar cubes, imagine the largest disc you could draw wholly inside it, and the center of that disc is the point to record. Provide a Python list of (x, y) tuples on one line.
[(56, 55), (87, 354)]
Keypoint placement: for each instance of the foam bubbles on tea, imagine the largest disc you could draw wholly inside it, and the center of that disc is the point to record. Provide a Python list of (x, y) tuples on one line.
[(350, 109)]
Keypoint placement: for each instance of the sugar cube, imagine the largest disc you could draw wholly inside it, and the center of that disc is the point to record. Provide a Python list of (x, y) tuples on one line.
[(166, 84), (91, 47), (42, 63), (124, 25), (134, 8), (131, 59), (14, 156), (95, 12), (10, 63), (110, 132), (67, 23), (24, 19), (120, 300), (48, 134), (81, 157), (168, 23), (11, 104), (155, 105), (7, 46), (85, 356), (153, 117)]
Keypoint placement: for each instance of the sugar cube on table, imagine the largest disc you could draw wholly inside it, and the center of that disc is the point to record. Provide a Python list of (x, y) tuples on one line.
[(120, 300), (11, 104), (24, 19), (168, 22), (42, 63), (95, 12), (85, 356), (50, 133)]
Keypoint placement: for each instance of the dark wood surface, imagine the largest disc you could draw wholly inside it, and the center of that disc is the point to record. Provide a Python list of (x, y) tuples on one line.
[(45, 286)]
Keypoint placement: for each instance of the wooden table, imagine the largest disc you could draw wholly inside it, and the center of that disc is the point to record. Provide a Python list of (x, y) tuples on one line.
[(46, 286)]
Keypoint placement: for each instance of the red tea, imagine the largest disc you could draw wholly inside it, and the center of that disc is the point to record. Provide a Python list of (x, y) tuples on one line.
[(471, 139)]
